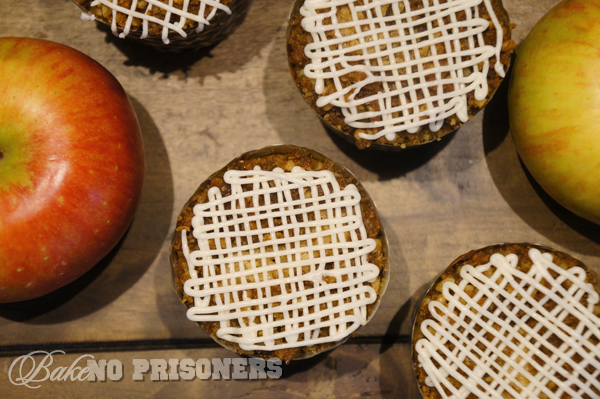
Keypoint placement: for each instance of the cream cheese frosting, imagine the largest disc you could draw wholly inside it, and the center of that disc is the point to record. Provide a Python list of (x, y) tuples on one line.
[(184, 15), (284, 255), (516, 330), (388, 42)]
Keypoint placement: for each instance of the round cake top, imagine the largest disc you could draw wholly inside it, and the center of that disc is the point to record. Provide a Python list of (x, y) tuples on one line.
[(426, 55), (284, 255), (175, 15), (505, 331)]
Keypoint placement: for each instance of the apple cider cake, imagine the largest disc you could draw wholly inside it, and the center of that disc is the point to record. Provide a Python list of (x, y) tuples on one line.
[(197, 23), (280, 254), (398, 73), (512, 321)]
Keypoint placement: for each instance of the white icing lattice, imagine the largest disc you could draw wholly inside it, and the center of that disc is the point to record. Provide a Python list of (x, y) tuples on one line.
[(285, 255), (519, 322), (144, 15), (427, 60)]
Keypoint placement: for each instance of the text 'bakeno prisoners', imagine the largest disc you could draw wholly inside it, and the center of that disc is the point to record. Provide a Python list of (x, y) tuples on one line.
[(36, 367)]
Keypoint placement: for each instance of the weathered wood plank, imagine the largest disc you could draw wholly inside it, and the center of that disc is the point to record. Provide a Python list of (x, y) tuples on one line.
[(351, 371), (198, 111)]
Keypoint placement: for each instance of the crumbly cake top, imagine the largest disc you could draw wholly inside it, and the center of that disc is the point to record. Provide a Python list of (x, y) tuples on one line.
[(166, 15), (427, 55), (506, 332), (280, 259)]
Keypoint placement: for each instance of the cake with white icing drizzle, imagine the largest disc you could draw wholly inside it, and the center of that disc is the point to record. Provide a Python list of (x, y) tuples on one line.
[(168, 24), (280, 255), (398, 72), (510, 321)]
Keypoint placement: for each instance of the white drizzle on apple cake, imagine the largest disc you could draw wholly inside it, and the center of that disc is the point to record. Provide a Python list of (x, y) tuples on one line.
[(285, 256), (427, 59), (158, 12), (505, 333)]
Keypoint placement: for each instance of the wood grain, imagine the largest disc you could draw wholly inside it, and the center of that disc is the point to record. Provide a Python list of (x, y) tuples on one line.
[(200, 110), (351, 371)]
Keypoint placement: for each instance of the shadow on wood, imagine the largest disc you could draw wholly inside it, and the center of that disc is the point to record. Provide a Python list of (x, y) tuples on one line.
[(520, 191)]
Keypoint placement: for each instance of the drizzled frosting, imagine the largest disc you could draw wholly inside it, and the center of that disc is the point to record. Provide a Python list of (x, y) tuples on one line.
[(518, 358), (386, 41), (184, 15), (285, 255)]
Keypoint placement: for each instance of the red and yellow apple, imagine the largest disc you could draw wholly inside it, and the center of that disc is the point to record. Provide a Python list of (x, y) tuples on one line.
[(554, 105), (71, 165)]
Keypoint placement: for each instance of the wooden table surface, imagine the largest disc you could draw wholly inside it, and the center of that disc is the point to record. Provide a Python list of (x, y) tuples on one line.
[(200, 110)]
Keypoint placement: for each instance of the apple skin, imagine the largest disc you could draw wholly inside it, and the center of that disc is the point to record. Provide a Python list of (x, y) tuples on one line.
[(71, 166), (554, 105)]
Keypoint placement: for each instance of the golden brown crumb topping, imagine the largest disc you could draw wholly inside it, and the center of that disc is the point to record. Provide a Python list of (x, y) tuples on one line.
[(298, 39), (105, 13), (546, 347), (286, 162)]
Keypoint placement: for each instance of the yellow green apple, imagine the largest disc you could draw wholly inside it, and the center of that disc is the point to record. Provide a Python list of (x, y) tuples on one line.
[(554, 105)]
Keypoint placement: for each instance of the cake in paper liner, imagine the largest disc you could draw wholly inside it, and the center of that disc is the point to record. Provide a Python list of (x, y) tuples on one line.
[(510, 321), (280, 255), (398, 72), (168, 24)]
